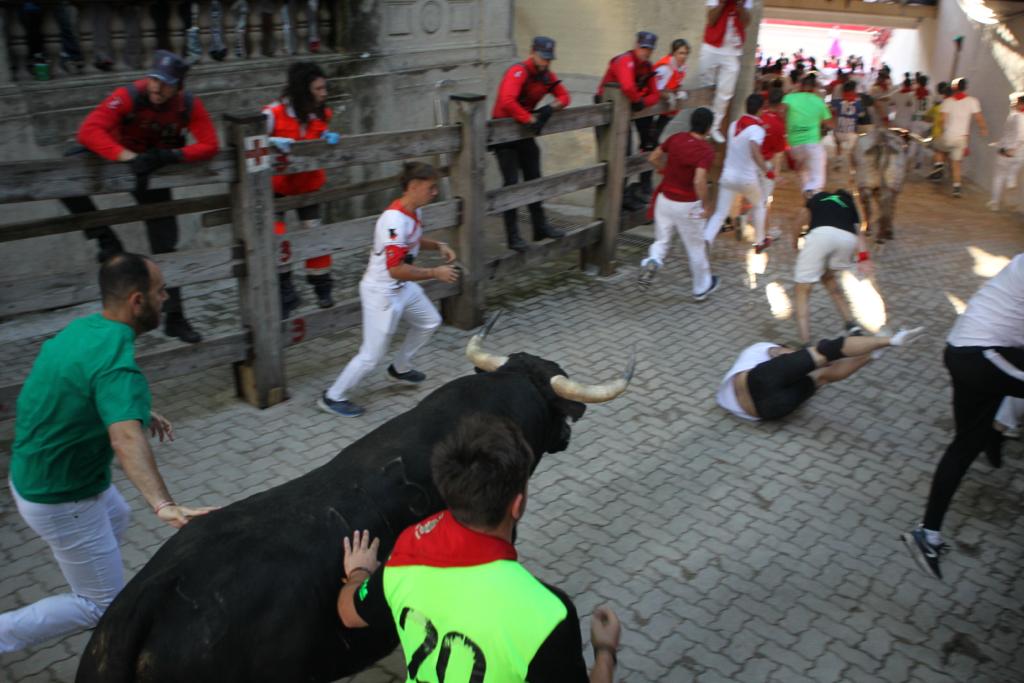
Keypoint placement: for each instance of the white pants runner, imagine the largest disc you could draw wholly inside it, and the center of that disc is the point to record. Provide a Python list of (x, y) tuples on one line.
[(1006, 172), (727, 192), (382, 311), (84, 537), (720, 71), (811, 161), (685, 219)]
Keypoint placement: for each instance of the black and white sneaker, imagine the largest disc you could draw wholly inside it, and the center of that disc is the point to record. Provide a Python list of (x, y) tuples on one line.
[(853, 329), (646, 276), (937, 171), (342, 407), (707, 292), (924, 553), (408, 377)]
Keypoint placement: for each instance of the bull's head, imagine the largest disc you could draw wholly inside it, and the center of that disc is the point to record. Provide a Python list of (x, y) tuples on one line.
[(566, 396)]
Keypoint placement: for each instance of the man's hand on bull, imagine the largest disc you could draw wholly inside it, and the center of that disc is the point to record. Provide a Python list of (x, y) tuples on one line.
[(360, 556), (179, 515), (160, 426)]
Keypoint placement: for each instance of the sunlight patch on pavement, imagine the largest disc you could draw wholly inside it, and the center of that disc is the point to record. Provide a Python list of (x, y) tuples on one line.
[(756, 265), (778, 301), (957, 303), (867, 304), (986, 264)]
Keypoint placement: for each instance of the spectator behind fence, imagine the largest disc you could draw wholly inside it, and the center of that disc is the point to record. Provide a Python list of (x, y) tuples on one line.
[(37, 63), (524, 85), (84, 402), (145, 123), (302, 114)]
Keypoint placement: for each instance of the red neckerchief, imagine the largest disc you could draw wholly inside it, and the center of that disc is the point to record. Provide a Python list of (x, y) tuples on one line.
[(921, 92), (959, 95), (850, 96), (906, 88), (396, 205), (440, 541), (746, 121)]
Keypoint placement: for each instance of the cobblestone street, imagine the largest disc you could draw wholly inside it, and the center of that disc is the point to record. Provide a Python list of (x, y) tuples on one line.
[(731, 551)]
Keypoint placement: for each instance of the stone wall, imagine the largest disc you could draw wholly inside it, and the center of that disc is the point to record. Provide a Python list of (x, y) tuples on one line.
[(401, 56)]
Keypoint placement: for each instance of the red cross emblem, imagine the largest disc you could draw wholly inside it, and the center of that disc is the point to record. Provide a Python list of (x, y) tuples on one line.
[(256, 154)]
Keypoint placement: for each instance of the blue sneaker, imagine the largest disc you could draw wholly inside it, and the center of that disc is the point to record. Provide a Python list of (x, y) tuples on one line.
[(342, 407), (409, 377), (924, 553), (707, 292)]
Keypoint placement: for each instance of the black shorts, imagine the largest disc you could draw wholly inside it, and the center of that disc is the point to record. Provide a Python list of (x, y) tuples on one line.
[(781, 385)]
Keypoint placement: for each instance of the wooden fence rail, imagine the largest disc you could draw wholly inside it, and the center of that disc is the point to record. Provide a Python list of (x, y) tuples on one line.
[(258, 255)]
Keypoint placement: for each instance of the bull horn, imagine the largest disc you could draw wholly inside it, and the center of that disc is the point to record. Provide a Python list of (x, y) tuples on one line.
[(488, 362), (594, 393)]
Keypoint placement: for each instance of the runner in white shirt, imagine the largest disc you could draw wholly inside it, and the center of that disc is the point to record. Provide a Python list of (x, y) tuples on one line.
[(389, 292), (957, 112), (742, 171), (985, 358), (769, 381), (1009, 151)]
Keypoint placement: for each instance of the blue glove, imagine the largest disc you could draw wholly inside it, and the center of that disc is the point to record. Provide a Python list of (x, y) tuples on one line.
[(330, 137), (284, 145)]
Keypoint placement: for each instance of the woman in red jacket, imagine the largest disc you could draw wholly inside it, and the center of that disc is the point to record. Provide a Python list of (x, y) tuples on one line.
[(302, 114)]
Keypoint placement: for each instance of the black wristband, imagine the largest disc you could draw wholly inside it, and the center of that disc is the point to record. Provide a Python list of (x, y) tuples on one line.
[(609, 650)]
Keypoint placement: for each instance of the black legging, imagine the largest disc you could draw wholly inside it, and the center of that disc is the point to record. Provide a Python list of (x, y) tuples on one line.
[(979, 386), (512, 157), (781, 385)]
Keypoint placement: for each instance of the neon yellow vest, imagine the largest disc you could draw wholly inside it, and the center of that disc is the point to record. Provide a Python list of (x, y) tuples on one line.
[(478, 624)]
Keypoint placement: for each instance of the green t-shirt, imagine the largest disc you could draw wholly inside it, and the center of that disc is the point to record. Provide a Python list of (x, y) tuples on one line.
[(84, 380), (804, 115)]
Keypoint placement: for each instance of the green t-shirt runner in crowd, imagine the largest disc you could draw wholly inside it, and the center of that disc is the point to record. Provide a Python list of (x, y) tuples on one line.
[(84, 380), (806, 111)]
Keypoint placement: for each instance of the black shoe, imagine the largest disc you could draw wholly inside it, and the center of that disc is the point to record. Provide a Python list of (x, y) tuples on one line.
[(322, 285), (937, 170), (924, 553), (289, 297), (408, 377), (994, 449), (853, 329), (104, 64), (178, 326), (646, 276), (219, 55), (109, 245), (515, 242), (547, 232)]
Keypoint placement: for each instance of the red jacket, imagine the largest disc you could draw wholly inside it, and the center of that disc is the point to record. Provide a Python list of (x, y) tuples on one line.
[(282, 123), (714, 34), (125, 122), (522, 87), (635, 77)]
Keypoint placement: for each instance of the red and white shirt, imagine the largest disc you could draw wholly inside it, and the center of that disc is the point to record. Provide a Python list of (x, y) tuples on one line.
[(396, 236)]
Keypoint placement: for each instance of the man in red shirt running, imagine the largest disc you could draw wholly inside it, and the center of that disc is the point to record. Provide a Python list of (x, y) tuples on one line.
[(145, 123), (522, 87), (681, 202)]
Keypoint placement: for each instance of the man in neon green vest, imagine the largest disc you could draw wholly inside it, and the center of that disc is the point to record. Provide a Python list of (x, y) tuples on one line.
[(464, 608)]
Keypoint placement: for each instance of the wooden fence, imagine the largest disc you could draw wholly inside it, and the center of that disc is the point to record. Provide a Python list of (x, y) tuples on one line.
[(257, 254)]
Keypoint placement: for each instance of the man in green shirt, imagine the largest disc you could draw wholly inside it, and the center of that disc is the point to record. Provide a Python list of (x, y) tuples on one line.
[(84, 402), (806, 113), (465, 609)]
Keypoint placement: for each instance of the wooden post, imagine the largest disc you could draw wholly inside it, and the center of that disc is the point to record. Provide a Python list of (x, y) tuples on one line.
[(611, 149), (261, 379), (466, 309), (5, 65)]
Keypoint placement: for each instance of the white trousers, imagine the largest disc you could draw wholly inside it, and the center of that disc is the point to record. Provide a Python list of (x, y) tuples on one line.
[(1006, 172), (720, 71), (84, 537), (727, 192), (382, 311), (811, 161), (685, 219)]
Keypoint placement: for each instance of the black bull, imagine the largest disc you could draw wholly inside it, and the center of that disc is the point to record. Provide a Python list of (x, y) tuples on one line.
[(248, 593)]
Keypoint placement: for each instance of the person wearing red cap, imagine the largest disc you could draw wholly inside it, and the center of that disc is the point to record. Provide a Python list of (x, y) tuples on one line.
[(522, 87), (302, 114), (145, 123), (720, 54), (635, 75)]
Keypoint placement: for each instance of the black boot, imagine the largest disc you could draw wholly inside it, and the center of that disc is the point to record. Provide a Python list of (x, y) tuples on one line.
[(289, 297), (515, 242), (177, 326), (632, 198), (994, 449), (322, 285), (646, 184), (541, 228)]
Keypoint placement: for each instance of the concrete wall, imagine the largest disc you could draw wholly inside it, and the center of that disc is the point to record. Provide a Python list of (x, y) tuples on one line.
[(398, 52), (993, 62)]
